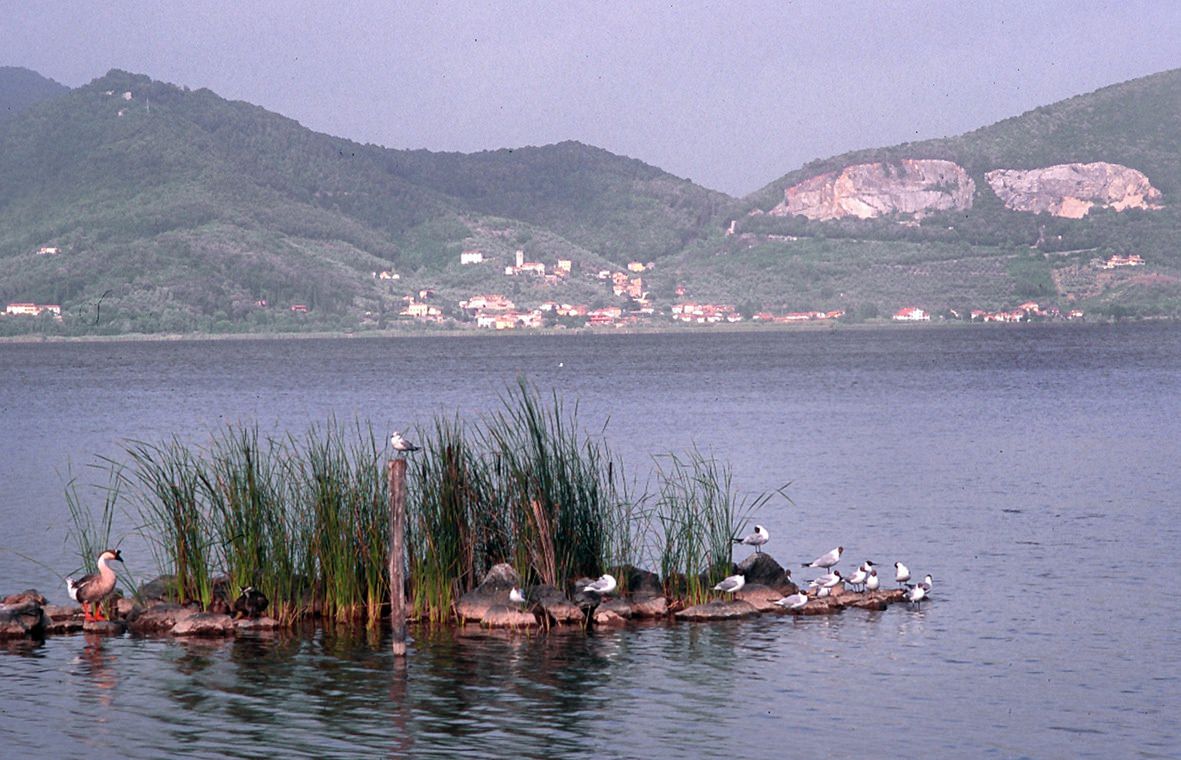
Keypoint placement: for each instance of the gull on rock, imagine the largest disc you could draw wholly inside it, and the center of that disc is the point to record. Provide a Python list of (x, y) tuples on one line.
[(604, 585), (827, 560), (872, 582), (822, 580), (901, 573), (91, 590), (793, 602), (756, 539), (731, 584)]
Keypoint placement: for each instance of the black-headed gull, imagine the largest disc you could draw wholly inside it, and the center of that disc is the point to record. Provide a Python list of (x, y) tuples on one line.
[(827, 559), (916, 594), (901, 573), (756, 539), (872, 582)]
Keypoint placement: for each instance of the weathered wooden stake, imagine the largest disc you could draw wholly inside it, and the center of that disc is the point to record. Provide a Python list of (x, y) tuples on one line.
[(397, 476)]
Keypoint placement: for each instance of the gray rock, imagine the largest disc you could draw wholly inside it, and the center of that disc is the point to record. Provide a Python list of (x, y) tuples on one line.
[(256, 624), (556, 606), (57, 612), (638, 581), (158, 619), (649, 605), (762, 569), (29, 595), (718, 609), (204, 624), (506, 616), (760, 597), (24, 620), (104, 627), (493, 590)]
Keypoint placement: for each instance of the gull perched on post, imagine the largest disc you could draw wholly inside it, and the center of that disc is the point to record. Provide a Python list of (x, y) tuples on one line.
[(756, 539), (400, 444)]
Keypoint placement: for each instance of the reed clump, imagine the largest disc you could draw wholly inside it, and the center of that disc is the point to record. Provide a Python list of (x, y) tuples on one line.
[(305, 518)]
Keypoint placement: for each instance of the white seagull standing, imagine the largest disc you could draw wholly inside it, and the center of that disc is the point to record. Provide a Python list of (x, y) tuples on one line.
[(400, 444), (901, 573), (872, 582), (823, 580), (756, 539), (916, 594), (858, 578), (603, 586), (793, 602), (731, 584), (827, 560), (927, 583)]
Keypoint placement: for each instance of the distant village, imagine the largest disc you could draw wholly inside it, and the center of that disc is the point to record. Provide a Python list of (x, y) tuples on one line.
[(494, 311)]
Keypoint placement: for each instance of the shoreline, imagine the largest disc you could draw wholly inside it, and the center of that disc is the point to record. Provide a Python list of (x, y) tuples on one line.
[(810, 327)]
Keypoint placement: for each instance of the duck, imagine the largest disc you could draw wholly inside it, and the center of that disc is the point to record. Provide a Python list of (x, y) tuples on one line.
[(90, 590), (250, 603)]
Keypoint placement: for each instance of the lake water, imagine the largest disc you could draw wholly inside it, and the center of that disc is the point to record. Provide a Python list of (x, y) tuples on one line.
[(1034, 471)]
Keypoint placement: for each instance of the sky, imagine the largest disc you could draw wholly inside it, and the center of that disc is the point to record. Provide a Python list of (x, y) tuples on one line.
[(729, 94)]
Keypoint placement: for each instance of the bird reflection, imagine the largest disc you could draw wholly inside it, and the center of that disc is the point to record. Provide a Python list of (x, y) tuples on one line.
[(96, 664)]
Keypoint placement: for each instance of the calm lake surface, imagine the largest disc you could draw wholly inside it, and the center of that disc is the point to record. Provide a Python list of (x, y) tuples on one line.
[(1034, 471)]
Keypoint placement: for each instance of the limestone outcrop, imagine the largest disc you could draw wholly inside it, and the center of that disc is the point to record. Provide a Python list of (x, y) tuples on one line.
[(1072, 190), (864, 191)]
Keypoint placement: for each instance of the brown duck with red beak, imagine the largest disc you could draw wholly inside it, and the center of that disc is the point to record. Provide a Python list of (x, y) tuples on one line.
[(91, 590)]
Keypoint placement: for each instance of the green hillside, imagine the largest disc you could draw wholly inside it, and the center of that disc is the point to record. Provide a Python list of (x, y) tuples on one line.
[(988, 256), (184, 211), (21, 88), (140, 206)]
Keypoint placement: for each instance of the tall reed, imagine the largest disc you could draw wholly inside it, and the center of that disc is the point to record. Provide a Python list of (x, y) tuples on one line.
[(172, 506), (91, 535), (699, 514)]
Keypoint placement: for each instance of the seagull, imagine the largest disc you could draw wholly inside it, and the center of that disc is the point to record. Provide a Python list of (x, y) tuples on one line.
[(731, 584), (91, 590), (822, 580), (793, 602), (901, 573), (872, 582), (827, 560), (603, 586), (516, 597), (928, 582), (400, 444), (825, 591), (916, 594), (827, 582), (756, 539), (858, 578)]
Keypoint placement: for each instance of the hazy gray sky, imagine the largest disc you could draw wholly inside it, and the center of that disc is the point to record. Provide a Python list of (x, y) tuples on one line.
[(729, 94)]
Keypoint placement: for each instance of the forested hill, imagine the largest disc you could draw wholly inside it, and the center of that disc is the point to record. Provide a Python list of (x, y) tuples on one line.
[(21, 88), (182, 203)]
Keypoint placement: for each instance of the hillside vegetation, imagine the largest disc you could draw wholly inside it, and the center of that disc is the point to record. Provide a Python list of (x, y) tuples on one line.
[(140, 206)]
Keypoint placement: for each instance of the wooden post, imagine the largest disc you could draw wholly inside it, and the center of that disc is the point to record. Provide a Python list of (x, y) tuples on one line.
[(397, 476)]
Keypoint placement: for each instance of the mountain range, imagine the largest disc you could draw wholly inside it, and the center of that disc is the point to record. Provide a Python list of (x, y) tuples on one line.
[(142, 206)]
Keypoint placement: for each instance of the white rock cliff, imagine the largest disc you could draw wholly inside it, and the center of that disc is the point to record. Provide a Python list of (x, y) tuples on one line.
[(1072, 190), (865, 191)]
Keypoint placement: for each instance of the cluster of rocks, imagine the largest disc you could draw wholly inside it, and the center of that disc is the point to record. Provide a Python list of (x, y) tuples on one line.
[(766, 582), (29, 615)]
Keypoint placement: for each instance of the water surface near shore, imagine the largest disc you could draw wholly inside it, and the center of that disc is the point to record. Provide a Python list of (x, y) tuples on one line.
[(1032, 471)]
